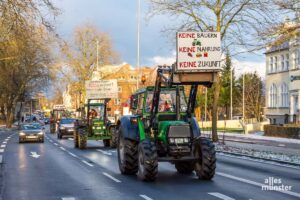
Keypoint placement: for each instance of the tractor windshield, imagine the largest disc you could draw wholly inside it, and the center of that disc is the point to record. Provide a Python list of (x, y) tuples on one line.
[(167, 101), (97, 112)]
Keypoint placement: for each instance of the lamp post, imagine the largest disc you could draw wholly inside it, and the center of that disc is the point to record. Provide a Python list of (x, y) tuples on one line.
[(231, 80), (138, 41)]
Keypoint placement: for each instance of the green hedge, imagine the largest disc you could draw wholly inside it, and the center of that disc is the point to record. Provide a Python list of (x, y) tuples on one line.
[(281, 131)]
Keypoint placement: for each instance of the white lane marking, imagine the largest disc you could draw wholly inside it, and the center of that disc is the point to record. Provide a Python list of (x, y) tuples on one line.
[(72, 154), (4, 142), (70, 139), (255, 183), (55, 144), (6, 139), (34, 154), (50, 141), (0, 158), (3, 146), (281, 145), (1, 150), (259, 160), (68, 198), (62, 148), (145, 197), (104, 152), (87, 163), (111, 177), (220, 196)]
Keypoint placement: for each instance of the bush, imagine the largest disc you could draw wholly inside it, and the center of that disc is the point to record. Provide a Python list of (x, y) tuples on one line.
[(282, 131)]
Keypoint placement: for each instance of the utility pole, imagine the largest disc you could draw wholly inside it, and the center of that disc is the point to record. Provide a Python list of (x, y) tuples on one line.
[(205, 109), (231, 80), (244, 97), (138, 42)]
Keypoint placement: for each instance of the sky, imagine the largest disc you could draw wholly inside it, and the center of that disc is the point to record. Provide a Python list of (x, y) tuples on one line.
[(118, 18)]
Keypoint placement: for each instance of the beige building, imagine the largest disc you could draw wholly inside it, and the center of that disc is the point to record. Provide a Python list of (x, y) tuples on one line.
[(282, 90)]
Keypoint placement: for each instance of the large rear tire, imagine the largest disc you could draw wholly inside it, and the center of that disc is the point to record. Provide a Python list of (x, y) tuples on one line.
[(148, 164), (82, 141), (185, 167), (127, 155), (205, 167), (76, 143), (114, 138)]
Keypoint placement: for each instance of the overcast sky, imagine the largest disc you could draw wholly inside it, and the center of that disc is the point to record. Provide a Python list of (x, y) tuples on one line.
[(119, 19)]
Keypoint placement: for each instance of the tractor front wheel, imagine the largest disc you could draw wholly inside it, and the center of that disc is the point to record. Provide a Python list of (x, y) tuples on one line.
[(106, 143), (204, 150), (114, 139), (82, 141), (76, 143), (127, 155), (147, 161), (184, 167)]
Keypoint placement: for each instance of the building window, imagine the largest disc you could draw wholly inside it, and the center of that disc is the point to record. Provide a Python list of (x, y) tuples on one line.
[(119, 89), (271, 65), (273, 96), (117, 101), (284, 95), (282, 63), (287, 61), (275, 64)]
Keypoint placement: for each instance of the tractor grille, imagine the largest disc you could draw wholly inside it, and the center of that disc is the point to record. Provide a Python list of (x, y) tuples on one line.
[(179, 131)]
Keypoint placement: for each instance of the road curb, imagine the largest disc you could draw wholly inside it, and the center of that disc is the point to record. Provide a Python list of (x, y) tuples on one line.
[(259, 158)]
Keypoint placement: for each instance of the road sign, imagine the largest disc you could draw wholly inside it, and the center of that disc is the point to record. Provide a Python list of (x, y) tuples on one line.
[(198, 51), (103, 89), (59, 107)]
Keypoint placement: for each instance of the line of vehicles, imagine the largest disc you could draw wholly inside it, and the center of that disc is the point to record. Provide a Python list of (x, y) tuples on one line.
[(161, 128)]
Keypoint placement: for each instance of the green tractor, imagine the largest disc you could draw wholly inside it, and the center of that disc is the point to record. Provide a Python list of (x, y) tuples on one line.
[(163, 128), (55, 115), (95, 126)]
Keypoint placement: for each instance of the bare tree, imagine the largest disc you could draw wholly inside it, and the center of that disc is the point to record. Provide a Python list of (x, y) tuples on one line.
[(81, 54), (238, 21)]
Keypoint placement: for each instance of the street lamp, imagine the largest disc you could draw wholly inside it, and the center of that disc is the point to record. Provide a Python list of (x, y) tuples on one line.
[(138, 40)]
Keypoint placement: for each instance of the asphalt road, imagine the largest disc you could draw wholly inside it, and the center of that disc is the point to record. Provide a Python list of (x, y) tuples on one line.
[(55, 170)]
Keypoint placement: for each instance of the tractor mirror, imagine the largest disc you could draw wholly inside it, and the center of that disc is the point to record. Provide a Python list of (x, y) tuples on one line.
[(133, 102)]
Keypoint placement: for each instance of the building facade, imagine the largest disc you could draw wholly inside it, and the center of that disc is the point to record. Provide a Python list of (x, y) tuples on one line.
[(282, 86)]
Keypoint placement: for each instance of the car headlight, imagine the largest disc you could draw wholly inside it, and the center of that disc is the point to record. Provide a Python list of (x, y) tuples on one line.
[(40, 133), (62, 127), (21, 133)]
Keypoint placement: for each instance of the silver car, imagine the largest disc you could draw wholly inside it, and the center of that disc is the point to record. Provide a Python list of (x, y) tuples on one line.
[(31, 132)]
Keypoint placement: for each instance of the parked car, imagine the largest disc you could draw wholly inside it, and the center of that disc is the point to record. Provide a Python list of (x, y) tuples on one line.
[(46, 120), (31, 132), (65, 128)]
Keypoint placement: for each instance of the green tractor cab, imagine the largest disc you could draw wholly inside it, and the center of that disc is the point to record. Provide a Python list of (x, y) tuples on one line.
[(95, 126), (163, 128)]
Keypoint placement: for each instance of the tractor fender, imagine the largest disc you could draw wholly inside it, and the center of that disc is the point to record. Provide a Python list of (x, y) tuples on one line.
[(129, 130), (195, 127)]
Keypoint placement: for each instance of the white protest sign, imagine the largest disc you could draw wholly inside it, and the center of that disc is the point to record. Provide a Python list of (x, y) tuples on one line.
[(59, 107), (198, 51), (102, 89)]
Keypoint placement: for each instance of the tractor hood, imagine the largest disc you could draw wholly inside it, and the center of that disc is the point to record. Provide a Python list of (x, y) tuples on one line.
[(163, 128)]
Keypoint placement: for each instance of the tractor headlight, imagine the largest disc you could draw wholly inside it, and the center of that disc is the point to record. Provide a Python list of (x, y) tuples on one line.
[(179, 140), (62, 128)]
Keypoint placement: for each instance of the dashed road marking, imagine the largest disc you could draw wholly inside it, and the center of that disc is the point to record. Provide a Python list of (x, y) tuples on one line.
[(50, 141), (104, 152), (72, 154), (55, 144), (220, 196), (1, 150), (0, 158), (3, 146), (4, 142), (68, 198), (145, 197), (255, 183), (62, 148), (281, 145), (87, 163), (6, 139), (111, 177)]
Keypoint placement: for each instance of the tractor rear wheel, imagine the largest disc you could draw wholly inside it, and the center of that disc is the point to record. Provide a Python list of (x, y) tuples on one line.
[(184, 167), (127, 155), (204, 150), (76, 143), (82, 140), (147, 161), (106, 143), (114, 139)]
